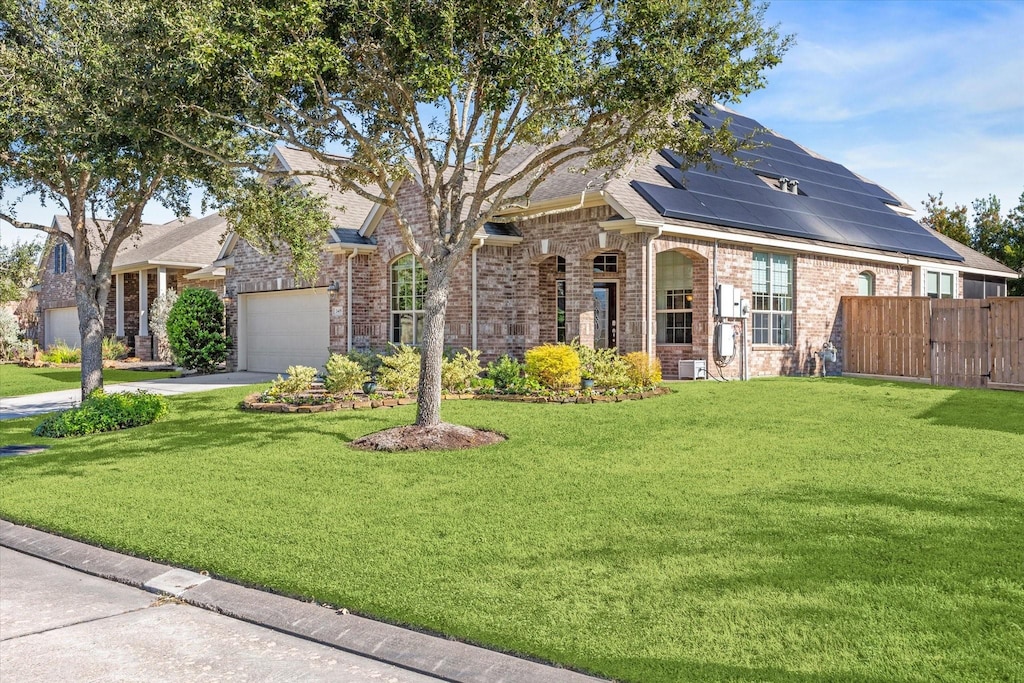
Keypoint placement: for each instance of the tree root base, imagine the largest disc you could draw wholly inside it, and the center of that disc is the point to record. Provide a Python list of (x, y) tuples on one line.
[(441, 437)]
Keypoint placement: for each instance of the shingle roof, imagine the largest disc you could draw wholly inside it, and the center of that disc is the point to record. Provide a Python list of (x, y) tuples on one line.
[(347, 209), (188, 242)]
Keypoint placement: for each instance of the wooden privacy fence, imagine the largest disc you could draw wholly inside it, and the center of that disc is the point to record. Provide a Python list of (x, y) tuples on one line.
[(952, 342)]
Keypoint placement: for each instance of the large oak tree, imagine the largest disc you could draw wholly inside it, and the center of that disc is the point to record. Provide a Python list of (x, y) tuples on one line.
[(480, 100), (88, 91)]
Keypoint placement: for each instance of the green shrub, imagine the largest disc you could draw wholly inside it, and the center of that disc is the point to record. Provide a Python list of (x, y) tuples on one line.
[(102, 412), (344, 375), (400, 369), (114, 348), (643, 371), (195, 330), (300, 378), (368, 360), (555, 366), (458, 371), (505, 372), (60, 352), (605, 366)]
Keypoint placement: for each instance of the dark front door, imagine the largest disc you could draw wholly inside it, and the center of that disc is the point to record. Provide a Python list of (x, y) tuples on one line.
[(605, 314)]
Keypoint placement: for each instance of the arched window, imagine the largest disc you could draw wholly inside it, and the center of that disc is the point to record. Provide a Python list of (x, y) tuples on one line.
[(408, 289), (674, 275), (866, 283)]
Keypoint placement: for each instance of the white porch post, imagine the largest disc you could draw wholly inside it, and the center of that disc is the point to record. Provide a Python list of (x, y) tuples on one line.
[(161, 281), (143, 303), (119, 304)]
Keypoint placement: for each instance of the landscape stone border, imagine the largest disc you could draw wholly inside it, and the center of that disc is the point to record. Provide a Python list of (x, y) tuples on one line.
[(252, 402)]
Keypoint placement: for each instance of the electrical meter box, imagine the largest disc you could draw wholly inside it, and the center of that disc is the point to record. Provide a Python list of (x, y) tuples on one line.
[(730, 302)]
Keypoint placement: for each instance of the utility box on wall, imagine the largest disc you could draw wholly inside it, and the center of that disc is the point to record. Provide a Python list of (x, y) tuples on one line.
[(730, 301), (693, 369)]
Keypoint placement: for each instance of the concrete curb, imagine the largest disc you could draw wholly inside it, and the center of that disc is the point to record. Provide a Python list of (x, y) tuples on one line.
[(445, 659)]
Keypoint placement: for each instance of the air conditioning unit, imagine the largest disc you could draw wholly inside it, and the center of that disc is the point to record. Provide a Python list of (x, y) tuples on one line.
[(693, 369)]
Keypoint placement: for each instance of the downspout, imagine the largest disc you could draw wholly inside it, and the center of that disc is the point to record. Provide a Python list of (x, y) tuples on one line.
[(348, 295), (475, 248)]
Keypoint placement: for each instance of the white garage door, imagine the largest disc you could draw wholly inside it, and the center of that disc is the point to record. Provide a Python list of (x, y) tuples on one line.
[(62, 324), (286, 328)]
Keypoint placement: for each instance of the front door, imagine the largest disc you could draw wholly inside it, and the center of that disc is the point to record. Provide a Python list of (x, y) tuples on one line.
[(605, 315)]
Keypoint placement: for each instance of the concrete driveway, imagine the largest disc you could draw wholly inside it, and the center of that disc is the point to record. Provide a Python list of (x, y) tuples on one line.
[(40, 404)]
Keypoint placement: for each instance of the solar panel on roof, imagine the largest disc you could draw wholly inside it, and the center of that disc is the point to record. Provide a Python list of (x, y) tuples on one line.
[(834, 204)]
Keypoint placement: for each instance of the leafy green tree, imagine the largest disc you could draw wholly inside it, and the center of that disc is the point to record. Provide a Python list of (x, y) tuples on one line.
[(90, 99), (479, 102), (988, 233), (1013, 246), (18, 264), (950, 221)]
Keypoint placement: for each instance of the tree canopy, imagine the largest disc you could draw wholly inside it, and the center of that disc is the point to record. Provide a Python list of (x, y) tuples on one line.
[(90, 118), (479, 102), (986, 231), (18, 264)]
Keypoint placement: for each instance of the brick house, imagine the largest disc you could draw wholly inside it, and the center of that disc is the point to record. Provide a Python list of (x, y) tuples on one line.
[(162, 257), (633, 262)]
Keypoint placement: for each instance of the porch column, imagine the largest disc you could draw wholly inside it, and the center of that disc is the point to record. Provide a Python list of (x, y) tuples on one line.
[(119, 304), (161, 281), (579, 300), (143, 303)]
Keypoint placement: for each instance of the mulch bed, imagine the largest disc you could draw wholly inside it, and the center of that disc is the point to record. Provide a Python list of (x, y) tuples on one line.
[(443, 437)]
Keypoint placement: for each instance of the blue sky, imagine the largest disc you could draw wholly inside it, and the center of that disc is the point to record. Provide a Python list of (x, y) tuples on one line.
[(921, 96)]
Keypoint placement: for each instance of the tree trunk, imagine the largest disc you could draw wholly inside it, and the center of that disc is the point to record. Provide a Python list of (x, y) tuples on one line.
[(91, 297), (428, 397)]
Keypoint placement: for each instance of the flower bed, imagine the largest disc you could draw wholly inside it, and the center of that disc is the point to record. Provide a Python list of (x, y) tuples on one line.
[(319, 401)]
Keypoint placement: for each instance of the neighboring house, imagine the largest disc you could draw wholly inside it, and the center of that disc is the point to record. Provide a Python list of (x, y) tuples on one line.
[(161, 257), (630, 262)]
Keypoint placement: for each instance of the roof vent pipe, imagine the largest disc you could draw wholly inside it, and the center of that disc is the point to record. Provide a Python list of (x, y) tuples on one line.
[(793, 184)]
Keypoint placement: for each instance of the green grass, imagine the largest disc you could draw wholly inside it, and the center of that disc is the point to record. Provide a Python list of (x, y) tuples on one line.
[(778, 530), (18, 381)]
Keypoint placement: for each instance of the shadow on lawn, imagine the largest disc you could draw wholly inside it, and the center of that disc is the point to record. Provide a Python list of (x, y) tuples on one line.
[(906, 578), (222, 424), (1001, 411)]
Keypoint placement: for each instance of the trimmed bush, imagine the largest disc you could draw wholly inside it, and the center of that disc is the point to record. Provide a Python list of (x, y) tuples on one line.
[(555, 366), (300, 378), (643, 372), (400, 370), (195, 330), (60, 352), (114, 349), (506, 372), (605, 366), (344, 375), (458, 371), (102, 412)]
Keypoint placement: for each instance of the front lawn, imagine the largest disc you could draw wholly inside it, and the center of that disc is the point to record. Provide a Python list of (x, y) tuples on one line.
[(776, 530), (18, 381)]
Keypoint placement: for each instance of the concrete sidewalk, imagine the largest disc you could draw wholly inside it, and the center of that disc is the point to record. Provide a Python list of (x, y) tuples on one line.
[(52, 401), (57, 623)]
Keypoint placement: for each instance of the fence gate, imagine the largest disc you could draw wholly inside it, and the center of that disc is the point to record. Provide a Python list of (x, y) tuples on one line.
[(1006, 345), (960, 342)]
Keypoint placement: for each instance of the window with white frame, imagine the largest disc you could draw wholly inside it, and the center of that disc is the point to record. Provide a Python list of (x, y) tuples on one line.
[(674, 276), (772, 303), (408, 289), (866, 283), (938, 285), (60, 258)]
